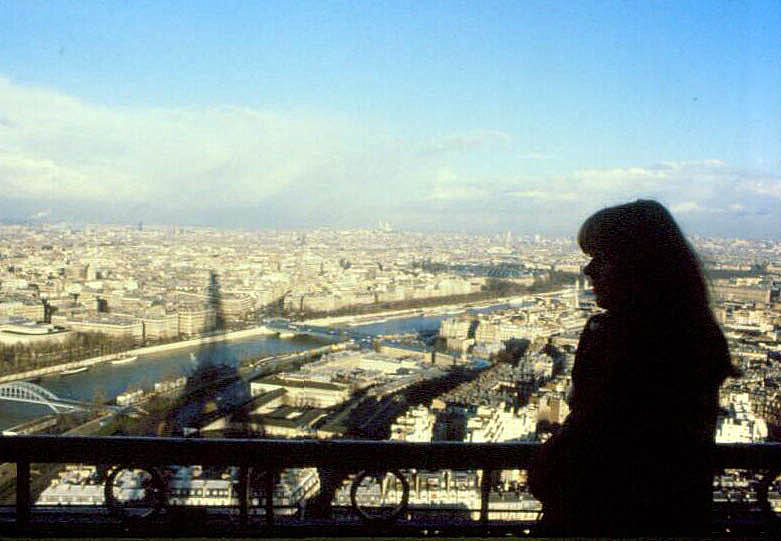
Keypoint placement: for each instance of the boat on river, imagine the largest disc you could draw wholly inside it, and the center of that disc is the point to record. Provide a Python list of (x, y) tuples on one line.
[(124, 359), (72, 371)]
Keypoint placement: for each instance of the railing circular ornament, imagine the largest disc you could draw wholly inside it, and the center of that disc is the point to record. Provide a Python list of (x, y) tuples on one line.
[(379, 513), (135, 492)]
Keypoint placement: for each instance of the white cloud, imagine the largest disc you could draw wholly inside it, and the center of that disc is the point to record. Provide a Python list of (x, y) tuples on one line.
[(56, 148), (686, 206), (464, 192), (468, 141), (448, 187), (763, 185), (695, 190), (686, 186), (535, 156), (545, 195)]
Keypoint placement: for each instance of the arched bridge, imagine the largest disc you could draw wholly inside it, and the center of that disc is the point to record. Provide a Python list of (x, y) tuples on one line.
[(24, 391)]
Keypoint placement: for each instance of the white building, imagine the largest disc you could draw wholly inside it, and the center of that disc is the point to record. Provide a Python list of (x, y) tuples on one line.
[(487, 425), (740, 425), (417, 424), (130, 397)]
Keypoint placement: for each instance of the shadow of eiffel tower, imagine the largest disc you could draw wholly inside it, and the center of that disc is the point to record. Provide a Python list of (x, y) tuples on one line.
[(214, 387), (213, 352)]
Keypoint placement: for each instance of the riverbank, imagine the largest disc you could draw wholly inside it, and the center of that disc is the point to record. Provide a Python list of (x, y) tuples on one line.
[(147, 350), (367, 319), (360, 319)]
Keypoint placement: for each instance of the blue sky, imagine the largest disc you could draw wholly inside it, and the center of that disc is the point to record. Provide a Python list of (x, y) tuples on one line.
[(469, 116)]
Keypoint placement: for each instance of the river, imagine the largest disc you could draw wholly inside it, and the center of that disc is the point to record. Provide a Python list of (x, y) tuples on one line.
[(114, 379)]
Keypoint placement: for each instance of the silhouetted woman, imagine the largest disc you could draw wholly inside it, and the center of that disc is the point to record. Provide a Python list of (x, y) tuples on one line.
[(634, 455)]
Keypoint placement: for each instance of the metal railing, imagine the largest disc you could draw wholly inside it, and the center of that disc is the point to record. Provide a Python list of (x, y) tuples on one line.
[(360, 458)]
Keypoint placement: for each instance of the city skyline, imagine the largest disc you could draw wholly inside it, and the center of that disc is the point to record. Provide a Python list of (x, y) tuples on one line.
[(438, 117)]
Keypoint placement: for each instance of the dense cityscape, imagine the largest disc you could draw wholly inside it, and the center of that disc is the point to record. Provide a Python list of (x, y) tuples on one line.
[(413, 337)]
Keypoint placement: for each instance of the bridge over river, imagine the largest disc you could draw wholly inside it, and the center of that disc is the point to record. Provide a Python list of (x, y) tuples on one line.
[(284, 326), (24, 391)]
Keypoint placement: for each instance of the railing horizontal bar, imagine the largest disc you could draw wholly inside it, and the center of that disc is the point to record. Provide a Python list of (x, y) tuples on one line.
[(347, 454), (748, 455), (272, 454), (350, 455)]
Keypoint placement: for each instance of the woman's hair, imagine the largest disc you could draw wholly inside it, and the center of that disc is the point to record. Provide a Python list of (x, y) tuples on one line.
[(643, 240), (661, 268)]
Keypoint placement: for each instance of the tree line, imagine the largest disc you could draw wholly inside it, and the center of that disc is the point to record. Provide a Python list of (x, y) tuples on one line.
[(77, 346)]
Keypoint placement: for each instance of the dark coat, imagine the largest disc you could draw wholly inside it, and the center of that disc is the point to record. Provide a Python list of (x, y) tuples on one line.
[(634, 455)]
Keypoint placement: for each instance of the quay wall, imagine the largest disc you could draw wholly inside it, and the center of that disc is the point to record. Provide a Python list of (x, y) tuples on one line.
[(234, 335)]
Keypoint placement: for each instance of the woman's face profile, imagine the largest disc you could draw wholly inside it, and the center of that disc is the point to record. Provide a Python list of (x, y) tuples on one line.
[(609, 281)]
